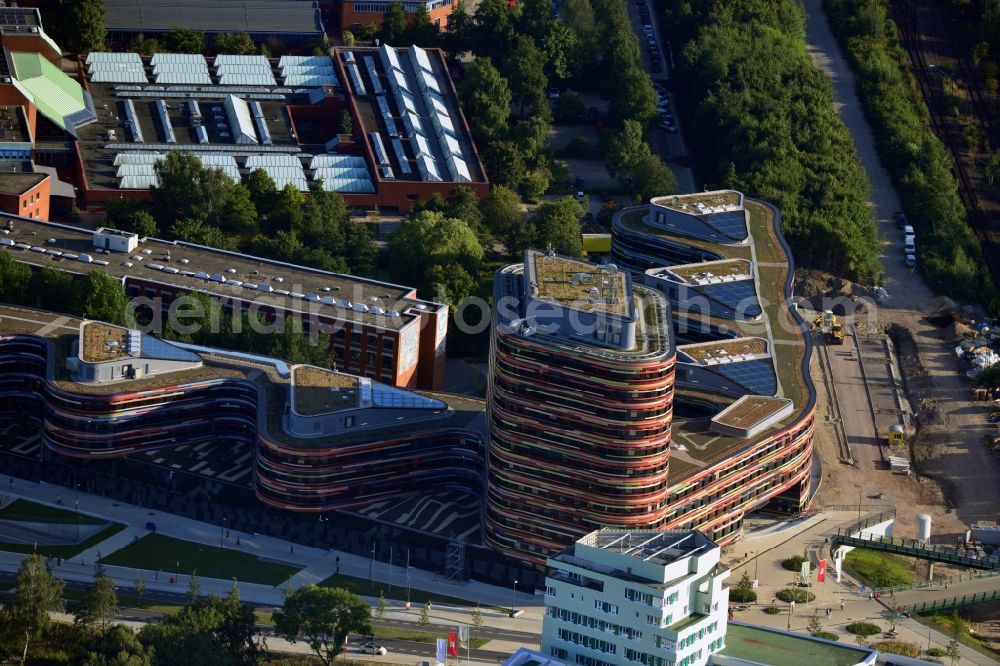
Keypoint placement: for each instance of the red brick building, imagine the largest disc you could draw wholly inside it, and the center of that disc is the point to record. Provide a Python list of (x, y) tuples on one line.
[(354, 13), (25, 194)]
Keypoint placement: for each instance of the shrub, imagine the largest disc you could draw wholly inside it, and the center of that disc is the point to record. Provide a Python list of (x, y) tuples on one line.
[(742, 596), (793, 563), (828, 635), (937, 652), (897, 647), (772, 610), (798, 596), (863, 628)]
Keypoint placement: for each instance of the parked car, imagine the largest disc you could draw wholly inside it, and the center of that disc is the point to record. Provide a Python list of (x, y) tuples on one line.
[(911, 261), (371, 648), (908, 230), (580, 196), (669, 125), (909, 245), (553, 93)]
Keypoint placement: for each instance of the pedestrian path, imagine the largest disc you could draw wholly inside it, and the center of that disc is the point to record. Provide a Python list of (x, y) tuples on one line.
[(316, 564)]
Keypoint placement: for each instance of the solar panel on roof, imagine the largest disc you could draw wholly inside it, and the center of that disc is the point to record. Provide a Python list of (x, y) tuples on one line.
[(418, 57), (428, 168), (412, 124), (337, 160), (740, 293), (389, 58), (310, 81), (131, 120), (458, 169), (305, 61), (201, 133), (355, 76), (756, 376), (177, 57), (731, 224), (421, 146)]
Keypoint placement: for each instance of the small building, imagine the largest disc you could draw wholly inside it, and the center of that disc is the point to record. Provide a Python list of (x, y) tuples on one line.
[(624, 597), (25, 193)]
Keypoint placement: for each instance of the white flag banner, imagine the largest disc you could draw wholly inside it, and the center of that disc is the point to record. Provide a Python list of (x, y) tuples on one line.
[(463, 634), (836, 566), (442, 651)]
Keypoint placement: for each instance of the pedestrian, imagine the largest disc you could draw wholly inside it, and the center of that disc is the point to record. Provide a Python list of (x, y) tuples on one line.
[(291, 549), (841, 604)]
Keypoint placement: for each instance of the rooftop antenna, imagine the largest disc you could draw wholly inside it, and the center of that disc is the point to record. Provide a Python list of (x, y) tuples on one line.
[(549, 250)]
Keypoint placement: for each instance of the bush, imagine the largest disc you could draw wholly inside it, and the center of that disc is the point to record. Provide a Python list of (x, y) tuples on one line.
[(793, 594), (772, 610), (742, 596), (863, 628), (897, 647), (793, 563), (828, 635), (937, 652)]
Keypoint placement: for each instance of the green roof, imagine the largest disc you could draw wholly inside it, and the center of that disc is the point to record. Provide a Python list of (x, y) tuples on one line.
[(57, 96), (777, 648)]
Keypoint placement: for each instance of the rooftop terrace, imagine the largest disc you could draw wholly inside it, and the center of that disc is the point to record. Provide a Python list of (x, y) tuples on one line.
[(187, 267), (103, 342), (713, 271), (656, 546), (691, 203), (319, 391), (580, 285)]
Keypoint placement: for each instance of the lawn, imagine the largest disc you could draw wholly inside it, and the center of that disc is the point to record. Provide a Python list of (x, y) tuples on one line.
[(26, 511), (68, 551), (163, 553), (419, 636), (880, 569), (363, 587)]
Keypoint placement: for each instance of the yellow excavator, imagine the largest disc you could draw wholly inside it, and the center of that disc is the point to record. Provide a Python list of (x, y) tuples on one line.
[(831, 327)]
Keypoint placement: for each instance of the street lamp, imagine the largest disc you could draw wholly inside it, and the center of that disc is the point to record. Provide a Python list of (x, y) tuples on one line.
[(513, 597), (371, 568), (222, 533)]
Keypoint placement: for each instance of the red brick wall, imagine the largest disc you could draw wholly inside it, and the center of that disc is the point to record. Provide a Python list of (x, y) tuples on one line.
[(33, 203), (349, 17)]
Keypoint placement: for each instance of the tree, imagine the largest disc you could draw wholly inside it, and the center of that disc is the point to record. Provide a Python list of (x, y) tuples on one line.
[(263, 191), (99, 604), (464, 205), (55, 290), (144, 45), (504, 164), (15, 279), (486, 99), (557, 224), (651, 178), (140, 589), (477, 619), (181, 40), (455, 41), (524, 69), (626, 148), (37, 593), (239, 43), (493, 28), (323, 617), (119, 646), (393, 30), (345, 126), (954, 652), (85, 23), (449, 284), (570, 108), (424, 618), (430, 239), (104, 299), (502, 215), (535, 184), (992, 170), (237, 631), (420, 30), (743, 592), (815, 627), (194, 589), (380, 609)]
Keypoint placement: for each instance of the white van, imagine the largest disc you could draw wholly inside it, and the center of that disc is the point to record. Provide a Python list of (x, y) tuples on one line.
[(908, 230), (909, 245)]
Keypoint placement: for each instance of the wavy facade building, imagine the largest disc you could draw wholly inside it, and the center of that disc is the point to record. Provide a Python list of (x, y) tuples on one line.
[(715, 379), (323, 440)]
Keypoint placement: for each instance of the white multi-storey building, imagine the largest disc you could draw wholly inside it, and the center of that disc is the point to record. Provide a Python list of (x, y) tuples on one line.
[(624, 597)]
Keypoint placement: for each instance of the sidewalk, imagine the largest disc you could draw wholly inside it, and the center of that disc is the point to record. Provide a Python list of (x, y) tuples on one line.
[(317, 564), (764, 554)]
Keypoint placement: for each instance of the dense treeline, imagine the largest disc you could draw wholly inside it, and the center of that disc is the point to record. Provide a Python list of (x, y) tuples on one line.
[(761, 119), (917, 159), (206, 631), (200, 205), (97, 296)]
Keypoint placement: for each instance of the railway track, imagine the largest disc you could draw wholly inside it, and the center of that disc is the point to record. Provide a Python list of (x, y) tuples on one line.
[(912, 40)]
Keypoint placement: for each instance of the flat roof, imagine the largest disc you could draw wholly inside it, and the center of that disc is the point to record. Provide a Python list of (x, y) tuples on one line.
[(750, 410), (709, 272), (103, 342), (578, 284), (373, 120), (252, 16), (13, 124), (453, 411), (17, 183), (778, 648), (711, 353), (695, 445), (656, 546), (321, 391), (309, 290)]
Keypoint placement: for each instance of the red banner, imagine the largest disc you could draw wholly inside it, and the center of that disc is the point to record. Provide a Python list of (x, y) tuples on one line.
[(452, 643), (821, 572)]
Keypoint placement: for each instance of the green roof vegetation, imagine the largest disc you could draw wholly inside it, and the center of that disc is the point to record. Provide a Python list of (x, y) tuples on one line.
[(56, 94)]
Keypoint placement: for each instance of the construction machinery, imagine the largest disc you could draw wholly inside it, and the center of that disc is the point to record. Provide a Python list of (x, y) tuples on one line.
[(831, 327), (895, 436)]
